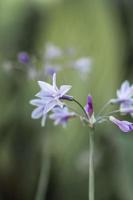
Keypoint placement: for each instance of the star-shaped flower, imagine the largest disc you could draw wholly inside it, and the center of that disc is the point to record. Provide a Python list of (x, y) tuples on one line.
[(49, 97)]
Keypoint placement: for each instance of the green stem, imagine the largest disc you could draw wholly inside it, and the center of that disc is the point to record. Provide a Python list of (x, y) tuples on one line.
[(91, 165), (44, 175), (103, 109), (79, 104)]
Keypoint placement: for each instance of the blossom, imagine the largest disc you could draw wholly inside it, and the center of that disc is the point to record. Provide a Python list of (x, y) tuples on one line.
[(125, 126), (61, 115), (49, 97), (52, 51), (23, 57), (124, 97)]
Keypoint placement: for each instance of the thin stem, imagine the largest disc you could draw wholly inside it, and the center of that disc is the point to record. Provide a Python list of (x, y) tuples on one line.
[(91, 166), (79, 104), (103, 108), (107, 115), (43, 177), (112, 112)]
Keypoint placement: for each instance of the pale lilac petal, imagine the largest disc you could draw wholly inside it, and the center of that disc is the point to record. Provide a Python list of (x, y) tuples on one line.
[(46, 87), (125, 86), (49, 106), (125, 126), (130, 92), (46, 97), (37, 102), (126, 108), (64, 89), (54, 82), (37, 113)]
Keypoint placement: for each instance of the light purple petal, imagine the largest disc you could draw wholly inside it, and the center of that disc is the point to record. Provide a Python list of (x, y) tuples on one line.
[(125, 86), (46, 87), (54, 82), (64, 89), (37, 102), (125, 126), (49, 106), (37, 113), (46, 97)]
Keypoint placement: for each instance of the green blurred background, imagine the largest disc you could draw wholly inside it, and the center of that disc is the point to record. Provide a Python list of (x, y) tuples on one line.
[(102, 30)]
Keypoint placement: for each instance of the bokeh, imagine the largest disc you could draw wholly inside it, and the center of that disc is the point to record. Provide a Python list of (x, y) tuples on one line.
[(53, 161)]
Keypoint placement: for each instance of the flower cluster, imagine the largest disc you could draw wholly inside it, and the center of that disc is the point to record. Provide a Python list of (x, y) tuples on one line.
[(50, 99)]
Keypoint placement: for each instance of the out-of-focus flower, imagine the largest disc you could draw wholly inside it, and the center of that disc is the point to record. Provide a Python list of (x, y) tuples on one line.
[(49, 97), (51, 69), (32, 73), (125, 126), (89, 110), (83, 65), (23, 57), (61, 115), (52, 51), (124, 97)]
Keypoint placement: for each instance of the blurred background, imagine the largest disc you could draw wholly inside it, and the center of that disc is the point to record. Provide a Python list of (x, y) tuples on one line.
[(51, 163)]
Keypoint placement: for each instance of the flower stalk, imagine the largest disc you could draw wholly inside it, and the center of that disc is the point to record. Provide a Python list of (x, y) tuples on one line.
[(91, 189)]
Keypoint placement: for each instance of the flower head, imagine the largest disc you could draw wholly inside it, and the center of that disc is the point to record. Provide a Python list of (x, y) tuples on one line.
[(125, 126), (49, 97), (124, 97), (61, 115), (23, 57)]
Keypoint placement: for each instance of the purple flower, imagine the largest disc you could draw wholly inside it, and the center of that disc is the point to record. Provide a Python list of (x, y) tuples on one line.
[(124, 97), (23, 57), (49, 97), (52, 51), (125, 126), (61, 115)]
